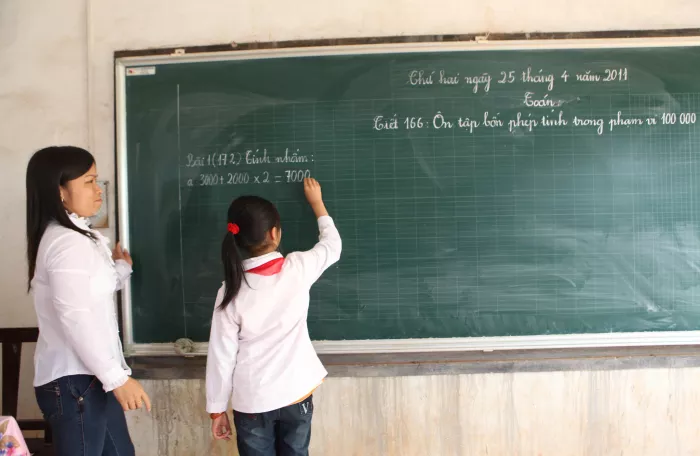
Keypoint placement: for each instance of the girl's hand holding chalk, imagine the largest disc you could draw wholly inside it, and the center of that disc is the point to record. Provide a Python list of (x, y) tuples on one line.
[(312, 190)]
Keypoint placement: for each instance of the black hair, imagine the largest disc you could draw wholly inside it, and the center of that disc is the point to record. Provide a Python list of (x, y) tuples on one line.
[(254, 217), (49, 169)]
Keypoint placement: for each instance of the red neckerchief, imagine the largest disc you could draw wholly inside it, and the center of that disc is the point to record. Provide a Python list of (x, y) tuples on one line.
[(272, 267)]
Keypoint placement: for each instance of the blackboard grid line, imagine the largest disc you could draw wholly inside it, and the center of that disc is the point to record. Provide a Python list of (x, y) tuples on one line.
[(651, 174), (335, 206), (436, 186), (393, 198), (671, 154), (416, 219), (645, 103), (458, 234), (691, 200), (179, 197), (538, 253), (377, 245), (693, 177), (575, 253), (634, 209), (354, 187), (553, 212)]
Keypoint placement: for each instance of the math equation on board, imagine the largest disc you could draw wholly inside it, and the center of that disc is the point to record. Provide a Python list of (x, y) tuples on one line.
[(252, 166)]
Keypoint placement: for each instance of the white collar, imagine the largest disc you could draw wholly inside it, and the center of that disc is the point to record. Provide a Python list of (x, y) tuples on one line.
[(80, 222), (102, 241), (251, 263)]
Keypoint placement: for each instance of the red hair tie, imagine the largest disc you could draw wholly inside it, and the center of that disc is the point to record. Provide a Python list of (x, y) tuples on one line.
[(233, 228)]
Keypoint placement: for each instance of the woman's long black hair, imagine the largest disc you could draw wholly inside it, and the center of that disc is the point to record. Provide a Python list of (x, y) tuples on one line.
[(48, 169), (254, 218)]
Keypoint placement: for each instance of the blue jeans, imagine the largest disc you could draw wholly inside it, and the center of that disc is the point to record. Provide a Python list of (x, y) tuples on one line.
[(84, 419), (281, 432)]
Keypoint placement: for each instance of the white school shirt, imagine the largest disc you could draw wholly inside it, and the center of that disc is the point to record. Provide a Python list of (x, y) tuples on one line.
[(260, 353), (73, 289)]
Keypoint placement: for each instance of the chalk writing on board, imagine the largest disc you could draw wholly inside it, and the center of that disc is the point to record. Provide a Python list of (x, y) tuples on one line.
[(529, 76), (440, 122), (468, 124), (538, 77), (293, 157), (598, 123), (256, 157), (588, 77), (554, 121), (524, 122), (615, 75), (532, 101), (507, 77), (195, 162), (529, 121), (211, 179), (608, 75), (482, 80), (243, 178), (386, 123), (420, 78), (491, 120), (214, 160), (261, 157), (684, 118), (414, 122), (247, 157), (297, 175), (447, 79)]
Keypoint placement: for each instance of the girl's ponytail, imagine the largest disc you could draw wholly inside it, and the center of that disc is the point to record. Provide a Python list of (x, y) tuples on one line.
[(250, 219), (233, 269)]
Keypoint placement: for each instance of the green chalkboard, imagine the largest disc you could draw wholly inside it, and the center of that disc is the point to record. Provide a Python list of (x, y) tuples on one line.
[(478, 193)]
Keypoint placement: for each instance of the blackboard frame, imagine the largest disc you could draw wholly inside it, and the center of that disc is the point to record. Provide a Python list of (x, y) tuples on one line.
[(476, 43), (453, 363)]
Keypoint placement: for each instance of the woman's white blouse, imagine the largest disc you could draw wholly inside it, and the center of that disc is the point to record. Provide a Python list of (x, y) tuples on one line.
[(73, 289)]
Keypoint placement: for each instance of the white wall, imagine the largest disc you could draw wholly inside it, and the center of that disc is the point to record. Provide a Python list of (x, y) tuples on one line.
[(43, 101)]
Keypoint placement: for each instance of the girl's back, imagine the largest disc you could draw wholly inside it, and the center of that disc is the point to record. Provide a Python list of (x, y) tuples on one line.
[(260, 353), (276, 363)]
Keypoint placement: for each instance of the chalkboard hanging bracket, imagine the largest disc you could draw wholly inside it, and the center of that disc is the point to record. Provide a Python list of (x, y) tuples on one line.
[(179, 51), (481, 38)]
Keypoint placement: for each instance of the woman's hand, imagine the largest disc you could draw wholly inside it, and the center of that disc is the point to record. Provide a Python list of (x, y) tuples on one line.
[(221, 427), (131, 396), (121, 254), (312, 190)]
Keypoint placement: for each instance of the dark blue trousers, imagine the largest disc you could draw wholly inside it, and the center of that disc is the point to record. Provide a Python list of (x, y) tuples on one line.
[(281, 432), (84, 419)]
